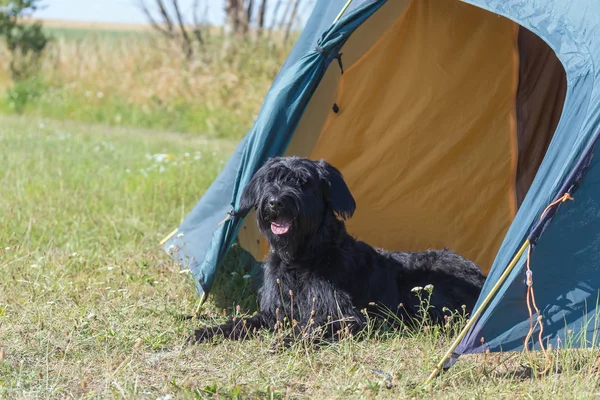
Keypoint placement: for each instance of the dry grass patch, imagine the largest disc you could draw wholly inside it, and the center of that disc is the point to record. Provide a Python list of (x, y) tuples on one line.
[(139, 79)]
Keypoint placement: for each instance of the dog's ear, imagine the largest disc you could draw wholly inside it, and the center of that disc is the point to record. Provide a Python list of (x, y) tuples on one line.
[(251, 194), (342, 202)]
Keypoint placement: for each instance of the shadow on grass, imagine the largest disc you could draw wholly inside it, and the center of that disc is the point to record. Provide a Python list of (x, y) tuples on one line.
[(237, 282)]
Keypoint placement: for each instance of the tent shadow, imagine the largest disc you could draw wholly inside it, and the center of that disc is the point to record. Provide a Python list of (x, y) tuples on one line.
[(560, 317), (237, 282)]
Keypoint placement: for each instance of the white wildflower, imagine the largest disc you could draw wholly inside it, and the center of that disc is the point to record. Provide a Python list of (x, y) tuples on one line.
[(429, 288), (160, 157), (100, 95), (247, 276), (35, 266), (416, 289), (179, 235)]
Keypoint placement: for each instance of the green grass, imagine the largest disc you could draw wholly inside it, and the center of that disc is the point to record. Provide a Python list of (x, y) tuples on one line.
[(78, 33), (37, 97), (90, 307)]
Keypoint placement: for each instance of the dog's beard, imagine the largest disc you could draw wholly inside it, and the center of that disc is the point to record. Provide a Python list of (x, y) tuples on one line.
[(289, 231), (280, 231)]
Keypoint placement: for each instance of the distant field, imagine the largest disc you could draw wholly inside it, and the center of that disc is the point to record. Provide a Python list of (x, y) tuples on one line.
[(79, 29), (127, 75), (99, 26)]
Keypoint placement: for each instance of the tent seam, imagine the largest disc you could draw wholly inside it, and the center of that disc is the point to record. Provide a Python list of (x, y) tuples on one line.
[(513, 122)]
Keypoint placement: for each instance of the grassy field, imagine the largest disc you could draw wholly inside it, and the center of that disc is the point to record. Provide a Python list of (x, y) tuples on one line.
[(90, 307)]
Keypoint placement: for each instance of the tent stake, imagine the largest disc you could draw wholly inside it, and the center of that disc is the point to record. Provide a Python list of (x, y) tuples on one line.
[(479, 311), (343, 11)]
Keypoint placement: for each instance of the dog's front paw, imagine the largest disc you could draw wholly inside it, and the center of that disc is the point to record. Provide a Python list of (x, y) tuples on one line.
[(281, 343), (201, 335), (290, 339)]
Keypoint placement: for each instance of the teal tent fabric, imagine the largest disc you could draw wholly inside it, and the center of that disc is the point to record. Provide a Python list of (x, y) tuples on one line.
[(200, 243), (565, 259), (571, 30)]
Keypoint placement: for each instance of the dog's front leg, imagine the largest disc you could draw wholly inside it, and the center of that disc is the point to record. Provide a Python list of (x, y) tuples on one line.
[(237, 329), (338, 328), (323, 329)]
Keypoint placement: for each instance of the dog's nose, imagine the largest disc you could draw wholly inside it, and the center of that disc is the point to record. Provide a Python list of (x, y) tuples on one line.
[(274, 204)]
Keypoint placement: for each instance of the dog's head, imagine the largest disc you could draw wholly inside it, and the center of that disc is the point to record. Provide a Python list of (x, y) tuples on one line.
[(293, 197)]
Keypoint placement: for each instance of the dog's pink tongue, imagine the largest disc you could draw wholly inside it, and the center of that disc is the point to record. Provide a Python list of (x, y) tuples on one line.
[(280, 226)]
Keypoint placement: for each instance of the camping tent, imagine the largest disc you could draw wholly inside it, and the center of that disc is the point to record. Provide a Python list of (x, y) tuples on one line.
[(455, 124)]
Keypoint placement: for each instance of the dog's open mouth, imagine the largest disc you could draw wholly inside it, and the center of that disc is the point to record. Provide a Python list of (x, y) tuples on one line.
[(281, 225)]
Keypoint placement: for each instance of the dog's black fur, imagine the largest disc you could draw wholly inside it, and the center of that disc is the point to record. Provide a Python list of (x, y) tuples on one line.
[(319, 275)]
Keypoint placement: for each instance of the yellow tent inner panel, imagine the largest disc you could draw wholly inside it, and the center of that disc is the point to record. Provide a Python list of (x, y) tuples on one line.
[(424, 132)]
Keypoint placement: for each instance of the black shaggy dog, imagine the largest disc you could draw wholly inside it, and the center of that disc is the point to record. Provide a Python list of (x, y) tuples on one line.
[(319, 275)]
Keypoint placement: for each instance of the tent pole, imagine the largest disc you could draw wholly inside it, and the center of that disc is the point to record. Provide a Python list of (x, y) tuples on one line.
[(168, 237), (479, 311), (343, 11)]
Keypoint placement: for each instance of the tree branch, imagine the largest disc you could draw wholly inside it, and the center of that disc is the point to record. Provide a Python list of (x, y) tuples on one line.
[(187, 43), (288, 28), (249, 11), (153, 23), (165, 14), (197, 24), (261, 17)]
